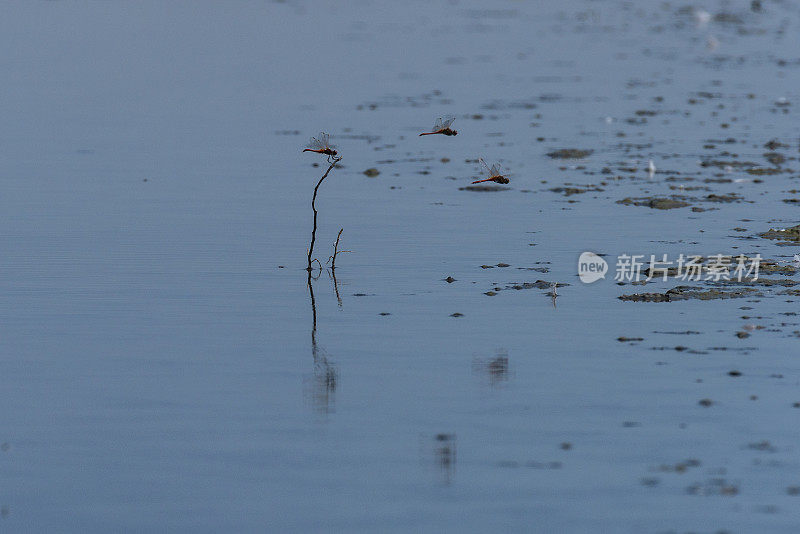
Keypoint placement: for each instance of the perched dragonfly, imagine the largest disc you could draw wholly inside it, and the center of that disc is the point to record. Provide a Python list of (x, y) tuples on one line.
[(494, 173), (442, 126), (321, 145)]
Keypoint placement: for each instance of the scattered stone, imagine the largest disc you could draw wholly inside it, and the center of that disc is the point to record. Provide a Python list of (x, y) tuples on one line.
[(686, 293), (791, 234), (762, 445), (655, 203), (538, 284), (775, 158), (775, 144), (733, 197), (569, 153), (569, 191), (764, 171), (646, 297)]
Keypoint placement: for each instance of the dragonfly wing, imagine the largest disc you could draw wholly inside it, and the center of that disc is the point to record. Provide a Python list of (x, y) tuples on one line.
[(496, 170), (485, 167), (324, 138), (447, 121), (437, 125), (315, 143)]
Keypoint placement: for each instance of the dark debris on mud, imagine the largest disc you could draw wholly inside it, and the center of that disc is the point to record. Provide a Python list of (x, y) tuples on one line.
[(689, 292)]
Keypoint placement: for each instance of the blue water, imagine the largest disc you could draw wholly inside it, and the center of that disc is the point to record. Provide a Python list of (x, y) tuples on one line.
[(165, 368)]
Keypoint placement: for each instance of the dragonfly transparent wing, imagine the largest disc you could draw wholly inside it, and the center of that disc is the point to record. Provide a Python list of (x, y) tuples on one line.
[(486, 168), (438, 125), (447, 121), (320, 142), (496, 170), (327, 140), (316, 144)]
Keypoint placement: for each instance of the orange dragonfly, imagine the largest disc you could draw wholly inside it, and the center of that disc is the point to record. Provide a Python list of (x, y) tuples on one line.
[(321, 145), (494, 173), (442, 126)]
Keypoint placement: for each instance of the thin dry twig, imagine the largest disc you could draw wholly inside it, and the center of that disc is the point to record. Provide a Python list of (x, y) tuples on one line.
[(332, 259), (313, 207)]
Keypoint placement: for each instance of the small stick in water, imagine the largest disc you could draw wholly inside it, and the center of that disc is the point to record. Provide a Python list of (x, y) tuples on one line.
[(332, 259), (314, 208)]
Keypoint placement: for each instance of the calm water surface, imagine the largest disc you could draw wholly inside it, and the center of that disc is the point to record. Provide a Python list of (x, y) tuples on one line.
[(166, 368)]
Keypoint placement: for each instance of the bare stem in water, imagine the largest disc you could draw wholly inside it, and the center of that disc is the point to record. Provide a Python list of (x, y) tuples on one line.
[(313, 207), (336, 251)]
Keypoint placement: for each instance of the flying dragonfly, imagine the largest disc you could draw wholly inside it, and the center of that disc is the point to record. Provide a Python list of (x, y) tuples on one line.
[(494, 172), (321, 145), (442, 126)]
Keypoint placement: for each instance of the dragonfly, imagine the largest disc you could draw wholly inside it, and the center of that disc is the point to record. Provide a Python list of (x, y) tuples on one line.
[(494, 172), (321, 145), (442, 126)]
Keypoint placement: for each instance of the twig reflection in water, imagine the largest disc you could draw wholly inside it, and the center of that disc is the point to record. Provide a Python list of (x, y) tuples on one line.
[(332, 274), (496, 368), (325, 377), (438, 453), (445, 455)]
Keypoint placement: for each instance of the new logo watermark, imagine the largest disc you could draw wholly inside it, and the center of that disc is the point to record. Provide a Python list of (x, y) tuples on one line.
[(591, 267), (634, 267)]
